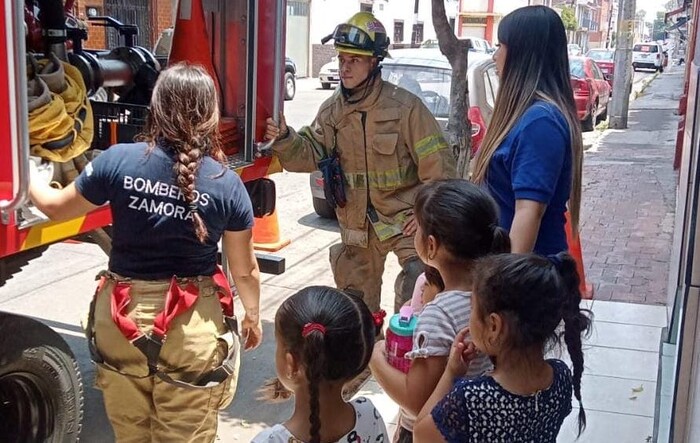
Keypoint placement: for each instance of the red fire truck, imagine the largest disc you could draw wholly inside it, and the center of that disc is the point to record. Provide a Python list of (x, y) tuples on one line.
[(40, 387)]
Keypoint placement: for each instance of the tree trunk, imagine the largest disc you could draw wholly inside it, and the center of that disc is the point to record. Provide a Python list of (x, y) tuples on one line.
[(458, 131)]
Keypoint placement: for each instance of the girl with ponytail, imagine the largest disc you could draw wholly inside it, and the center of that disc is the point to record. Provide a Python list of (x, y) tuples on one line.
[(324, 339), (457, 225), (518, 304)]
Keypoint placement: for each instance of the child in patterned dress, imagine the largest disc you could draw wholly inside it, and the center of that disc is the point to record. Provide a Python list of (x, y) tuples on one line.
[(518, 303)]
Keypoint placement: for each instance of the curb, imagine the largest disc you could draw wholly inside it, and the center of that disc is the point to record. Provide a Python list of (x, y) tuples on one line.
[(644, 84)]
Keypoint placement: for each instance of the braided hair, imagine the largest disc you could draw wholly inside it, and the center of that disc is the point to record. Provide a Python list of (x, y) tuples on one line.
[(534, 294), (331, 334), (184, 119)]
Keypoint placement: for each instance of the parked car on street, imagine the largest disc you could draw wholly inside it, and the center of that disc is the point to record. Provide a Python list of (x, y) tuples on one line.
[(328, 75), (427, 74), (574, 50), (478, 45), (290, 75), (591, 91), (481, 45), (605, 59), (648, 56)]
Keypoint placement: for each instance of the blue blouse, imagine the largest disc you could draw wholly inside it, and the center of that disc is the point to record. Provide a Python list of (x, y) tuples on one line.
[(480, 410), (534, 163)]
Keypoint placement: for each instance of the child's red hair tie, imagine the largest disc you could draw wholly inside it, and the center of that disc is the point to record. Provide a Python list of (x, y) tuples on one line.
[(311, 327), (379, 317)]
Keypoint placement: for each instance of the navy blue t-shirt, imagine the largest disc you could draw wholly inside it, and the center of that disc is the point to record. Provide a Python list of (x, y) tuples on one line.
[(534, 163), (153, 234)]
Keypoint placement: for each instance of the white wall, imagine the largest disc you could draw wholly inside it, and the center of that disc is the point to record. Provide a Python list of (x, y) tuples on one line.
[(325, 15), (475, 5), (388, 11), (504, 7), (425, 13)]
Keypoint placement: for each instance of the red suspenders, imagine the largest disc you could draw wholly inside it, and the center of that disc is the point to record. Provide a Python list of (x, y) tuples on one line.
[(177, 301)]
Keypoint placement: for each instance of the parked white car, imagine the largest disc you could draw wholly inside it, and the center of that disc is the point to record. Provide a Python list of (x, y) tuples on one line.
[(329, 74), (481, 45), (648, 56), (574, 50), (478, 45)]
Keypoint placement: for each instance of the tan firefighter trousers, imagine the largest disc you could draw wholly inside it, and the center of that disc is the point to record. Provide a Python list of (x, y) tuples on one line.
[(360, 270), (142, 407)]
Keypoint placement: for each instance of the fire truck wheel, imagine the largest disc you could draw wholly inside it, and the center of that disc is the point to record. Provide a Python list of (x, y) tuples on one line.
[(323, 209), (41, 393)]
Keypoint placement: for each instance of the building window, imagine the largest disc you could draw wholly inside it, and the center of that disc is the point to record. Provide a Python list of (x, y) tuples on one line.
[(366, 7), (417, 34), (474, 20), (297, 8), (398, 31), (415, 6), (93, 11)]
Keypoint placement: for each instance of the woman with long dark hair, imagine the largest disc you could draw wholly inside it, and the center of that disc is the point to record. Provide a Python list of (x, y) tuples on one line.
[(532, 154), (161, 328)]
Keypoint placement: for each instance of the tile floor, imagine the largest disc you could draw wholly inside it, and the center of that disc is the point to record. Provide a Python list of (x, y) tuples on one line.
[(619, 382)]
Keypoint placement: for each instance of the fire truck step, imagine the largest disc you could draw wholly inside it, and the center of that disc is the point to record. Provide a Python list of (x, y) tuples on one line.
[(271, 264)]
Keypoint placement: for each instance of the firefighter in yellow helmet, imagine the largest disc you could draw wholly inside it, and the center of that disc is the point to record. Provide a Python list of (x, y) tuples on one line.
[(375, 144)]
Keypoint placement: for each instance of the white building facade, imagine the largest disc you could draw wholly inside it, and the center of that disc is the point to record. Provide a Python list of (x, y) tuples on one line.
[(407, 22)]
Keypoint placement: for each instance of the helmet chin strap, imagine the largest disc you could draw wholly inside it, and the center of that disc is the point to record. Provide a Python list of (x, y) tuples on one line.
[(364, 86)]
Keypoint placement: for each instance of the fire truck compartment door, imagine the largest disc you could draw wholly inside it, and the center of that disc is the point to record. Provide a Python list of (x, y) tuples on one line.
[(14, 138)]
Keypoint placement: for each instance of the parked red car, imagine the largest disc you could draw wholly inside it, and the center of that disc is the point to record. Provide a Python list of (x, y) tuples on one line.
[(605, 59), (591, 91)]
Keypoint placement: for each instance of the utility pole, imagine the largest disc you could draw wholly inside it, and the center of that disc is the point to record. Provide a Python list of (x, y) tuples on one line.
[(622, 83)]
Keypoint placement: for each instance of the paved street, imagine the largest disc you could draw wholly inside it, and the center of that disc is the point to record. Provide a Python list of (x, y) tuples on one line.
[(57, 286)]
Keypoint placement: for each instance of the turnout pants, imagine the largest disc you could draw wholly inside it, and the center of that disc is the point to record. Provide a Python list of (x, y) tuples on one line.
[(359, 270), (147, 407)]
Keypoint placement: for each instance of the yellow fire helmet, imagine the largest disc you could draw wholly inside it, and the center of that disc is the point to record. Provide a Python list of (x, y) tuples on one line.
[(363, 34)]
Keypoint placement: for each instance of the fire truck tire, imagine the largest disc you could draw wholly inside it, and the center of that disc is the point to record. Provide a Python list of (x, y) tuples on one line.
[(41, 392), (323, 209)]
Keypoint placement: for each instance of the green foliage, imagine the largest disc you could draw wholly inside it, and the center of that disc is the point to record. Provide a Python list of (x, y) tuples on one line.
[(658, 27), (568, 16)]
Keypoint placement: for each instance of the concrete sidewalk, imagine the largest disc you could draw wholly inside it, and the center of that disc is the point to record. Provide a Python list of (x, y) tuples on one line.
[(629, 196)]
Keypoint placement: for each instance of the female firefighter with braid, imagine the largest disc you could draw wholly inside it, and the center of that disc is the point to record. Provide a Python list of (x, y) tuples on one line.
[(172, 201)]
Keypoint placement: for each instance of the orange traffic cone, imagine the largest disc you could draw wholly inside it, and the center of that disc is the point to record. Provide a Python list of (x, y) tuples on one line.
[(266, 234), (192, 44), (575, 251), (190, 38)]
